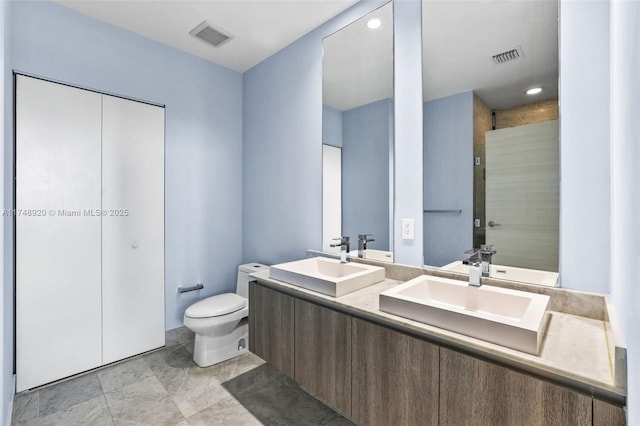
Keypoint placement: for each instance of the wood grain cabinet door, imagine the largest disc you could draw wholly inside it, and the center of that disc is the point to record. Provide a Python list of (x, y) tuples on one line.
[(607, 414), (323, 353), (476, 392), (271, 327), (394, 377)]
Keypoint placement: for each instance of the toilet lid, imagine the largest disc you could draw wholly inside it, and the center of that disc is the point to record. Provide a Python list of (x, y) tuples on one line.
[(215, 306)]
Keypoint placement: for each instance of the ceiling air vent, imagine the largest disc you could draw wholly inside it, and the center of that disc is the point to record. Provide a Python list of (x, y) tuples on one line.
[(508, 56), (211, 34)]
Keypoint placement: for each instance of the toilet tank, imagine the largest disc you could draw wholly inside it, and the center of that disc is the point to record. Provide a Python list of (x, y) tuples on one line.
[(242, 284)]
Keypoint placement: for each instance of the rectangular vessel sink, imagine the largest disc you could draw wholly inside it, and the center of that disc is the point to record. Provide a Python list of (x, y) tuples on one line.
[(533, 276), (327, 276), (511, 318)]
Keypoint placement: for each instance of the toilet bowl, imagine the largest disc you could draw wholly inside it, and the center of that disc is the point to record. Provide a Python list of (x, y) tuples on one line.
[(220, 322)]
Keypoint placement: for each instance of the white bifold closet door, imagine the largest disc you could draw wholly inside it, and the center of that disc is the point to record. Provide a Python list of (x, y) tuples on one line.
[(132, 228), (58, 264), (89, 230)]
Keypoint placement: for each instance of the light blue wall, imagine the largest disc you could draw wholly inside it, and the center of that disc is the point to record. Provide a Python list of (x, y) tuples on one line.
[(448, 178), (407, 48), (203, 213), (625, 196), (278, 170), (584, 146), (331, 126), (600, 225), (365, 172), (6, 293), (282, 152)]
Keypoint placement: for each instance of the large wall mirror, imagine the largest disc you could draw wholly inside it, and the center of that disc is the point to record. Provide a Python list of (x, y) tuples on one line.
[(491, 150), (357, 132)]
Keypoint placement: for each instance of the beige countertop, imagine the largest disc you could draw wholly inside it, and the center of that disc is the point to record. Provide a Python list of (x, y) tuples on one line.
[(574, 352)]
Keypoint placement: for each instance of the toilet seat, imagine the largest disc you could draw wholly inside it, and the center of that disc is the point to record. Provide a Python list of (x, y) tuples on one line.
[(215, 306)]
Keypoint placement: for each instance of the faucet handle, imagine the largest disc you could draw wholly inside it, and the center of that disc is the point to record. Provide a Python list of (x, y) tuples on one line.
[(365, 237)]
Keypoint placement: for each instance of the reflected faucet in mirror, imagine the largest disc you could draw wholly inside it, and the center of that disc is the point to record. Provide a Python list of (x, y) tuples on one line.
[(481, 257), (363, 239), (345, 248), (486, 251)]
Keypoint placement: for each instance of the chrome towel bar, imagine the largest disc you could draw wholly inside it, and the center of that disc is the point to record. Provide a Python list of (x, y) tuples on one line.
[(457, 211), (198, 286)]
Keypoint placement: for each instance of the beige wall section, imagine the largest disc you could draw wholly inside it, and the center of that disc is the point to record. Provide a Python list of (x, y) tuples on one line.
[(527, 114)]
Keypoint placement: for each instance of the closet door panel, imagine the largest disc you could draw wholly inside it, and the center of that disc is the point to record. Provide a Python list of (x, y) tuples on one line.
[(133, 227), (58, 309)]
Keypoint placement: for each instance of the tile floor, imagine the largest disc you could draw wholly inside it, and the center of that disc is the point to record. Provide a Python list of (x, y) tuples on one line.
[(165, 387)]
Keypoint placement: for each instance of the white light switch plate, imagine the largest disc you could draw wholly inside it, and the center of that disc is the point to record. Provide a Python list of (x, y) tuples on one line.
[(407, 229)]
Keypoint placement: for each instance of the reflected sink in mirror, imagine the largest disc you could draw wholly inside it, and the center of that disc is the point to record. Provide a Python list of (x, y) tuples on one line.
[(379, 255), (327, 276), (531, 276), (371, 254), (511, 318)]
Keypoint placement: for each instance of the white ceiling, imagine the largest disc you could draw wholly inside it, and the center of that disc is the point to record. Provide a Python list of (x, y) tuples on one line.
[(260, 27), (459, 39)]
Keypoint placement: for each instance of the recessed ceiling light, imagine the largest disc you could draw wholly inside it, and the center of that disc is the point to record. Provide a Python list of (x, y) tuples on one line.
[(374, 23), (534, 91)]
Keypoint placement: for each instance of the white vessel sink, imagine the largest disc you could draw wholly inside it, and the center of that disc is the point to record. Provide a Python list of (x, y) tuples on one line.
[(511, 318), (533, 276), (327, 276)]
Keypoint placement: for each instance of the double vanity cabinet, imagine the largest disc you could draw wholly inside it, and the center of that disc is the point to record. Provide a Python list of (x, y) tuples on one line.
[(376, 371)]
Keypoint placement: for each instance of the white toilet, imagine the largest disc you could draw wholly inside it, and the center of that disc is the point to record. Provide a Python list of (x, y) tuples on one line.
[(221, 322)]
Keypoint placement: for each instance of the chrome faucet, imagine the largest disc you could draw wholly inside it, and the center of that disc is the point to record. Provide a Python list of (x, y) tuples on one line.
[(363, 239), (475, 273), (475, 268), (482, 257), (344, 248)]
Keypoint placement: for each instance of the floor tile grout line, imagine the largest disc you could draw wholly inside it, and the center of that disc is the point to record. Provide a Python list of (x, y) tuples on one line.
[(221, 376), (106, 403), (169, 396)]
